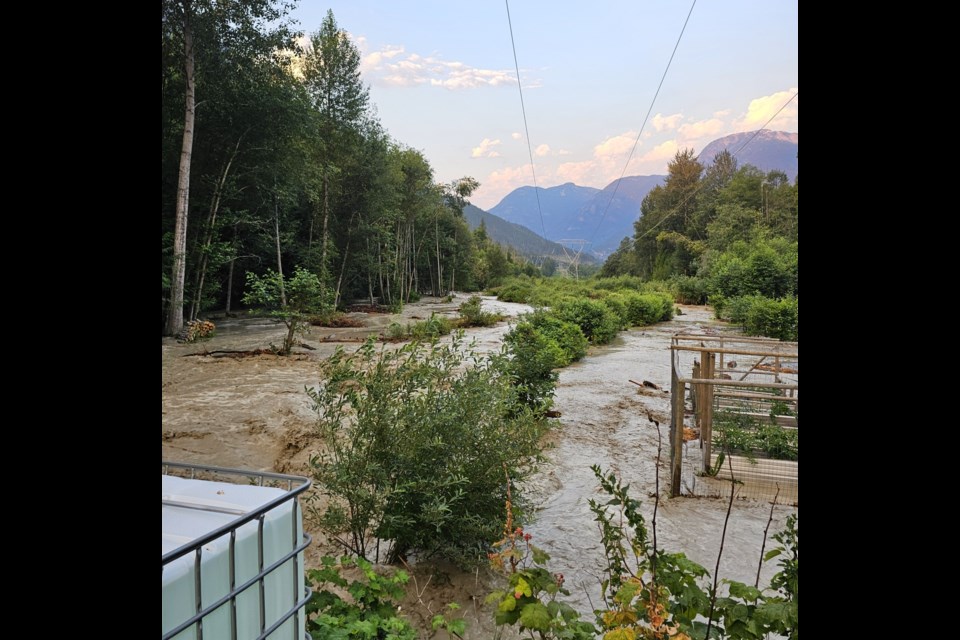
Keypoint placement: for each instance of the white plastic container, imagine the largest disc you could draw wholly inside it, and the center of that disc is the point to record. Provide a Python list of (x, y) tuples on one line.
[(192, 509)]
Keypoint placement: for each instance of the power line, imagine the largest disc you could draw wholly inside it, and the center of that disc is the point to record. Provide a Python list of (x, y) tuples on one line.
[(526, 130), (734, 154), (616, 185)]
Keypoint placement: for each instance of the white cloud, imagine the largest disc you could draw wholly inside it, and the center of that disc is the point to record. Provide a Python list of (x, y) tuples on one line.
[(666, 123), (762, 109), (696, 130), (542, 150), (392, 65), (373, 60), (516, 135), (501, 182), (577, 172), (485, 149), (564, 152), (663, 151), (616, 145)]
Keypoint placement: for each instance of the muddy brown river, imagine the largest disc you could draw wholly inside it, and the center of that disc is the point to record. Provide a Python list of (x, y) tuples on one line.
[(253, 413)]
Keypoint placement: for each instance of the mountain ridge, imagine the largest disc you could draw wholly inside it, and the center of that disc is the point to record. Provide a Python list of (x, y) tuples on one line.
[(524, 241), (570, 211)]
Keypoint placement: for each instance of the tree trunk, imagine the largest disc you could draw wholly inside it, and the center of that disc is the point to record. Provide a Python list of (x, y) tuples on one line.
[(343, 263), (276, 227), (436, 231), (326, 219), (208, 239), (230, 286), (175, 312)]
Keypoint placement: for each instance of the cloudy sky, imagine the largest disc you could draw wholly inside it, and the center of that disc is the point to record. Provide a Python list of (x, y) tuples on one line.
[(442, 76)]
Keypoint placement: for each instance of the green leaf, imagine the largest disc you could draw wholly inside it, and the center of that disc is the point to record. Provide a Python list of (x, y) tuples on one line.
[(507, 604), (522, 588), (535, 616), (744, 592), (540, 556), (773, 553)]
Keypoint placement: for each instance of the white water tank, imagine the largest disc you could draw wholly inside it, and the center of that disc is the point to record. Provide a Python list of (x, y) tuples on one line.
[(232, 555)]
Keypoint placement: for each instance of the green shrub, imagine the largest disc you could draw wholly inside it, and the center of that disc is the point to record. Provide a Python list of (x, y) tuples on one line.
[(434, 327), (617, 303), (533, 358), (646, 590), (566, 335), (648, 308), (761, 316), (471, 314), (364, 608), (774, 318), (514, 292), (690, 289), (416, 442), (395, 331), (598, 323), (293, 299), (618, 283)]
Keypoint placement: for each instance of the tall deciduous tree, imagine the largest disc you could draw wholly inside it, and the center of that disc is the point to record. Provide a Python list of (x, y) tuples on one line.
[(331, 73), (195, 31)]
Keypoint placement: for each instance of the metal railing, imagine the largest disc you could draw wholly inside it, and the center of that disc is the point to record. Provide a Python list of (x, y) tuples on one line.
[(295, 485)]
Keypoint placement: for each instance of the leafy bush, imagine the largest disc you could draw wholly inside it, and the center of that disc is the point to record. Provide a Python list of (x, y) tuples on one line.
[(690, 289), (618, 283), (532, 597), (648, 308), (292, 299), (774, 318), (370, 611), (531, 366), (395, 331), (417, 440), (617, 303), (471, 314), (647, 592), (598, 323), (514, 292), (764, 267), (566, 335), (433, 327), (761, 316)]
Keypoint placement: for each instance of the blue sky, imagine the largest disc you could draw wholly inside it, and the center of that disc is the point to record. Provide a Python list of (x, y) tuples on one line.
[(441, 74)]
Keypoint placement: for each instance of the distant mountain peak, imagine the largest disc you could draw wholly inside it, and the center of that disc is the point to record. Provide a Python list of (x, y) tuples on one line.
[(572, 211), (769, 150), (604, 217)]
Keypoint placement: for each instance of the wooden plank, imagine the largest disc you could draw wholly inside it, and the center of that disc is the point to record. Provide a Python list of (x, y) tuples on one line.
[(676, 433), (730, 339), (737, 352), (707, 362), (746, 384), (720, 393), (750, 370)]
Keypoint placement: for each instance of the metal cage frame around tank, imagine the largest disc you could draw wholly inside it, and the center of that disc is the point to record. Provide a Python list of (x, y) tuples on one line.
[(295, 485)]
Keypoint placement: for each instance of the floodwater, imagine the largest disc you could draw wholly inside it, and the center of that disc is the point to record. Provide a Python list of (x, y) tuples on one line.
[(253, 413), (605, 422)]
